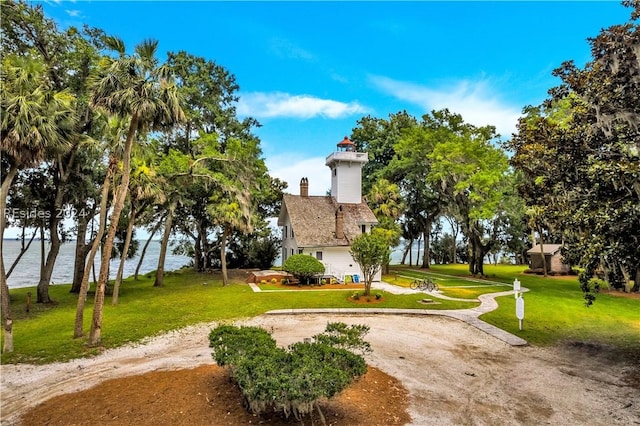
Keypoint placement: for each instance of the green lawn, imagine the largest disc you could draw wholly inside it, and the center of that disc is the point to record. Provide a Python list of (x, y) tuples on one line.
[(554, 310), (451, 284)]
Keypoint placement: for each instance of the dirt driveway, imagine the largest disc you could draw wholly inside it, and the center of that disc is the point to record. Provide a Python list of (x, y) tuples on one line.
[(455, 373)]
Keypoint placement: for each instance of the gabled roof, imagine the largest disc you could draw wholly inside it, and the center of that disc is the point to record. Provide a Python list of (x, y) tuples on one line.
[(313, 220), (550, 249)]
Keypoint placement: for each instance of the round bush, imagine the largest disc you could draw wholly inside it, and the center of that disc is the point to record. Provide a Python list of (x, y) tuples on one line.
[(303, 266)]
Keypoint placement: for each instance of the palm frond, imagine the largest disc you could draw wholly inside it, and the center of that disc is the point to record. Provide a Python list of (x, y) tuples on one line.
[(116, 44)]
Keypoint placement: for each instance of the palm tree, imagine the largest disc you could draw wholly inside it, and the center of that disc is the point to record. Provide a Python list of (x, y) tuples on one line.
[(171, 207), (36, 124), (386, 203), (132, 86), (233, 207), (385, 200), (115, 133), (95, 245), (230, 215), (145, 188)]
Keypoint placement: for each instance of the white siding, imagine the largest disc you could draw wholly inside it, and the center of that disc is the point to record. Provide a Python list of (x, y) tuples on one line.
[(346, 186), (288, 242), (346, 175), (338, 262)]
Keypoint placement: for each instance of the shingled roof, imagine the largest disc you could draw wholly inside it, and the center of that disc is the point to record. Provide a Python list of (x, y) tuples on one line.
[(313, 220), (548, 249)]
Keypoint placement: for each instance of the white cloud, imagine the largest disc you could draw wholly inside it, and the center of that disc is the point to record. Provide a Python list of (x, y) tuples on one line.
[(476, 101), (286, 49), (291, 167), (73, 13), (278, 104)]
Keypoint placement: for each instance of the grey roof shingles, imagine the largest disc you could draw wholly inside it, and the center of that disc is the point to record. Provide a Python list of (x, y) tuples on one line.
[(313, 220)]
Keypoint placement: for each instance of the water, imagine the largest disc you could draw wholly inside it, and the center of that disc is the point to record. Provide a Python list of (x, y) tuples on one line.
[(27, 272)]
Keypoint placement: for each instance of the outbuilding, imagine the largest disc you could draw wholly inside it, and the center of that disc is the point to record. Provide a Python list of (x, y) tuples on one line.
[(553, 259)]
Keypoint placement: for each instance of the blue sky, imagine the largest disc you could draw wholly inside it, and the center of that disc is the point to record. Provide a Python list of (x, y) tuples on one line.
[(308, 71)]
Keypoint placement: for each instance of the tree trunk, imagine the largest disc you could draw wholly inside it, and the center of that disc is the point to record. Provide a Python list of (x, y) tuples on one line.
[(98, 305), (23, 250), (636, 281), (223, 255), (197, 248), (367, 284), (95, 245), (47, 269), (164, 245), (144, 250), (472, 258), (455, 230), (197, 253), (426, 250), (123, 256), (5, 303), (544, 258), (406, 250), (54, 221), (82, 249), (479, 261)]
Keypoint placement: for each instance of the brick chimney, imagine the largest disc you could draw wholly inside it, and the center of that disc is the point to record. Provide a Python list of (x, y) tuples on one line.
[(304, 187), (339, 223)]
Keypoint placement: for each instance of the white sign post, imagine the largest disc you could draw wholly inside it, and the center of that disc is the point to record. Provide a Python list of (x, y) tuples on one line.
[(520, 310), (519, 302), (516, 287)]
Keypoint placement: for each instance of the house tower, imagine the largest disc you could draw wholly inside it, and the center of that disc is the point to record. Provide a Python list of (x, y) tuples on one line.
[(346, 172)]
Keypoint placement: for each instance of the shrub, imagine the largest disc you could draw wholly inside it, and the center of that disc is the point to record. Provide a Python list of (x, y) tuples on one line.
[(378, 296), (303, 266), (292, 380), (340, 335), (274, 281), (231, 344)]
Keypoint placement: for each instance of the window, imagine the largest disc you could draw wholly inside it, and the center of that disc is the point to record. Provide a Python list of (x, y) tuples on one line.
[(291, 252), (335, 172), (291, 232), (300, 251), (364, 228), (319, 255), (284, 232)]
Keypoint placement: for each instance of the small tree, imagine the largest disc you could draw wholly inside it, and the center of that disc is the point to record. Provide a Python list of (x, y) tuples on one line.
[(303, 266), (370, 251)]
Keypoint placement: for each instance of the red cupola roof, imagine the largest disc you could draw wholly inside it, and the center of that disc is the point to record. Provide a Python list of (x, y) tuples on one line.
[(346, 145)]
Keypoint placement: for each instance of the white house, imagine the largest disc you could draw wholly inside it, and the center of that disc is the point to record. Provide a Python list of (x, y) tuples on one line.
[(324, 226)]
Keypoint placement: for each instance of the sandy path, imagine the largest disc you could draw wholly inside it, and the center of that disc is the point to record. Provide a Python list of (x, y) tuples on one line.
[(455, 373)]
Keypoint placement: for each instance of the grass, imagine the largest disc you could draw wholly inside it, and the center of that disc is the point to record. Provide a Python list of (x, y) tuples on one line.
[(452, 285), (45, 334), (554, 309)]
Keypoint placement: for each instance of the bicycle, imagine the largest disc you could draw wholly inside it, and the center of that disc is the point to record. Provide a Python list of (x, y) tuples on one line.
[(428, 285)]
